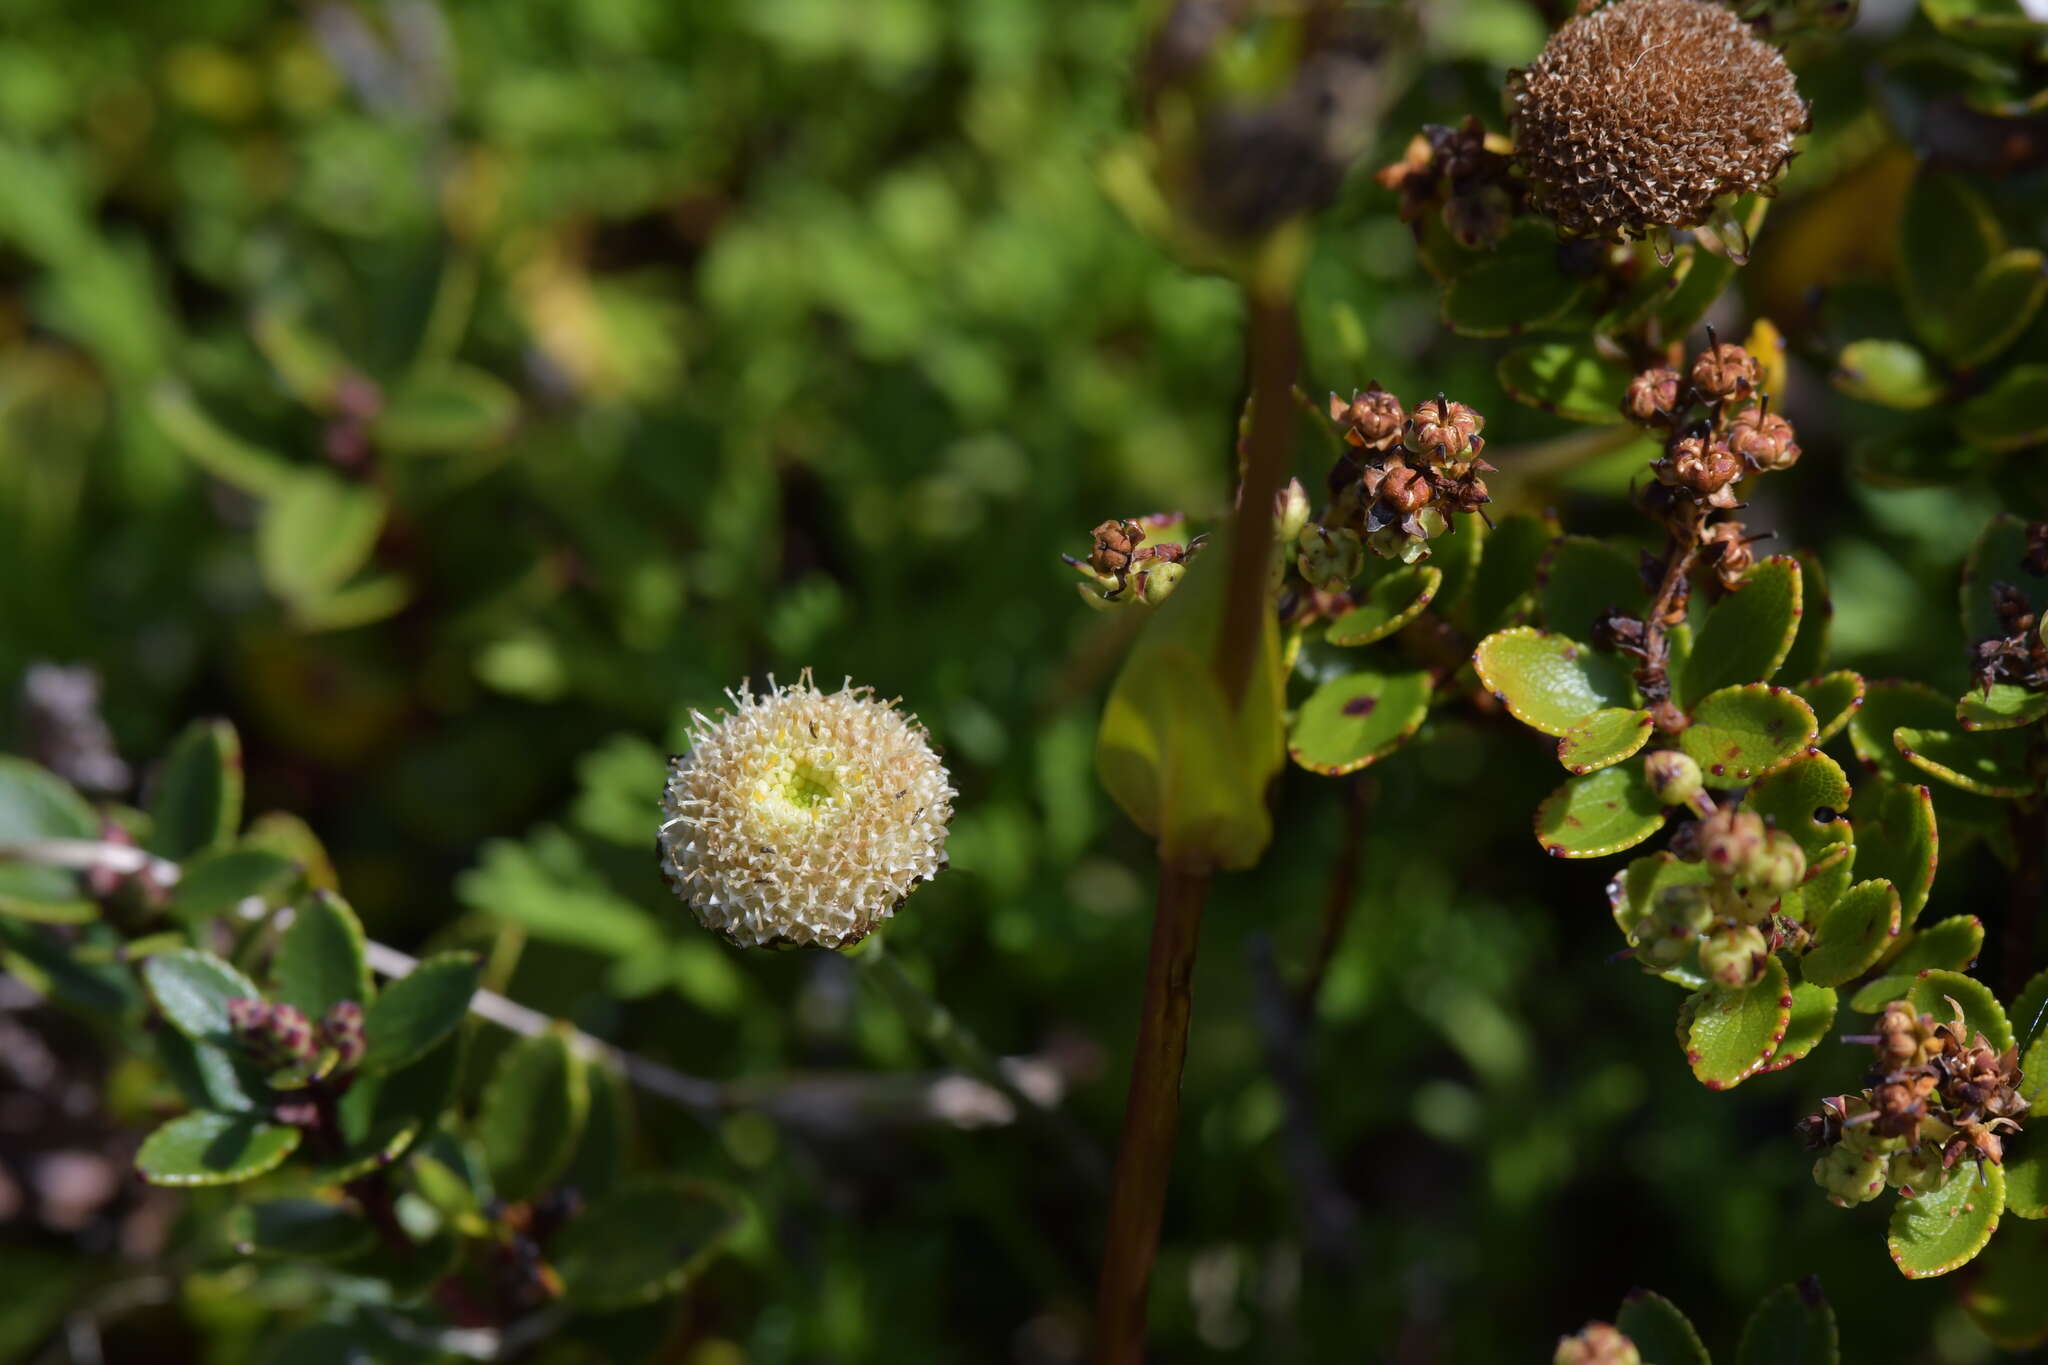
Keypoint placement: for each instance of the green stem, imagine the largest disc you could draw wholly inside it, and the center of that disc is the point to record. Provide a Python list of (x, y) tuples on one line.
[(938, 1026)]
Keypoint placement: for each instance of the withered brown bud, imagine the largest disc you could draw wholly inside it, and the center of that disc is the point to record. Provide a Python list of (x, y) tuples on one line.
[(1725, 370), (1644, 113), (1652, 396), (1405, 489), (1114, 543), (1443, 429), (1373, 419), (1725, 546), (1703, 468), (1764, 439)]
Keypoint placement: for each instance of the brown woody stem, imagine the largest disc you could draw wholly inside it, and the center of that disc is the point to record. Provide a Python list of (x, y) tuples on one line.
[(1144, 1158)]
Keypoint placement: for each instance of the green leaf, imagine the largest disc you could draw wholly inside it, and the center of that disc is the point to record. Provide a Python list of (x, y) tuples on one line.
[(1391, 602), (1886, 706), (2004, 1295), (405, 1276), (320, 960), (299, 1229), (316, 533), (1604, 738), (1987, 762), (311, 368), (1600, 813), (37, 804), (2029, 1013), (1813, 1014), (210, 1077), (1809, 653), (1935, 1233), (1833, 698), (1181, 763), (1794, 1325), (1549, 682), (1358, 719), (1952, 943), (1935, 987), (1917, 458), (1569, 378), (197, 799), (418, 1010), (601, 1151), (1896, 374), (2026, 1179), (1995, 557), (1631, 896), (253, 469), (1513, 288), (1747, 633), (2011, 413), (216, 882), (452, 411), (1997, 307), (1456, 555), (1805, 798), (382, 1146), (1662, 1335), (2006, 706), (643, 1241), (1507, 566), (193, 989), (1734, 1032), (1581, 579), (1896, 839), (361, 603), (213, 1149), (1991, 21), (1853, 935), (532, 1114), (1739, 734), (293, 839), (419, 1092), (43, 895), (1949, 235)]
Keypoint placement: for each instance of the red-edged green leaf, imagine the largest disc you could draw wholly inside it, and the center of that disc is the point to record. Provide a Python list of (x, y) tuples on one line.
[(2006, 706), (1892, 373), (1794, 1325), (1987, 762), (2026, 1178), (1887, 705), (196, 801), (1813, 1014), (1853, 936), (1569, 378), (1808, 657), (2004, 1295), (1602, 812), (643, 1241), (1995, 557), (1507, 566), (1896, 839), (1739, 734), (1747, 634), (1604, 738), (213, 1149), (2012, 413), (1834, 697), (1358, 719), (1951, 944), (1734, 1032), (1662, 1335), (1391, 602), (1943, 1231), (1934, 989), (1549, 682)]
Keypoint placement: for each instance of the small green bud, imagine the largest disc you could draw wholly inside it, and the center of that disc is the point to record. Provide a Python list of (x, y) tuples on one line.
[(1782, 865), (1747, 904), (1664, 950), (1733, 954), (1157, 582), (1597, 1343), (1290, 512), (1918, 1171), (1675, 777), (1687, 908), (1729, 841), (1328, 559), (1850, 1177)]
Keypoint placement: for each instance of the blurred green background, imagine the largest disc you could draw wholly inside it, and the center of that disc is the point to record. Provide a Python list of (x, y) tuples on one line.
[(454, 395)]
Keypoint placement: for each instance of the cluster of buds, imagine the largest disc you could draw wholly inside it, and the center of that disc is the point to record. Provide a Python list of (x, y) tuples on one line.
[(1122, 568), (280, 1035), (2017, 656), (1404, 472), (1465, 174), (274, 1035), (1597, 1343), (1938, 1095), (1732, 919)]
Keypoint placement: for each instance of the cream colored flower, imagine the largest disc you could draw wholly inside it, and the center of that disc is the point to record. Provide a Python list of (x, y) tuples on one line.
[(803, 816)]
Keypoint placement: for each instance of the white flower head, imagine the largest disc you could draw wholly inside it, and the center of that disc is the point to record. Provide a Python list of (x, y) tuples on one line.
[(803, 816)]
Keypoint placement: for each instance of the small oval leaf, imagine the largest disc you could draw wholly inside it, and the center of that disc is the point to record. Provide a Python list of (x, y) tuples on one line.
[(1747, 634), (1934, 989), (1834, 697), (1604, 738), (1794, 1325), (1896, 839), (1935, 1233), (1853, 936), (1390, 603), (1952, 944), (1987, 762), (1734, 1032), (1358, 719), (1549, 682), (1739, 734), (1600, 813), (213, 1149), (643, 1241)]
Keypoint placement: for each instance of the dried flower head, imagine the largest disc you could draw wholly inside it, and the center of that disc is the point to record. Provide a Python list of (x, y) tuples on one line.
[(1644, 113), (803, 816)]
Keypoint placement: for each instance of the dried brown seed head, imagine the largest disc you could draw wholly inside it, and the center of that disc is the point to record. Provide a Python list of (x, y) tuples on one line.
[(1765, 439), (1725, 370), (1643, 113), (1652, 397)]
